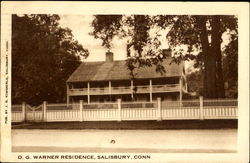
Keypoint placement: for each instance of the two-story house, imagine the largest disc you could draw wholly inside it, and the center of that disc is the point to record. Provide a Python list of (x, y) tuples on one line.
[(109, 80)]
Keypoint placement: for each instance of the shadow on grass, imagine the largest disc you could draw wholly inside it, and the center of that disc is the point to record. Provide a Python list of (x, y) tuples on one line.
[(133, 125)]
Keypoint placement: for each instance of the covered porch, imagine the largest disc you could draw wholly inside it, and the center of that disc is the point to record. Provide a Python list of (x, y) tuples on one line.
[(128, 90)]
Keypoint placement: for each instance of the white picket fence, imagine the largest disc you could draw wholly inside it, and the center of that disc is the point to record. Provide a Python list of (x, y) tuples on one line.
[(127, 111)]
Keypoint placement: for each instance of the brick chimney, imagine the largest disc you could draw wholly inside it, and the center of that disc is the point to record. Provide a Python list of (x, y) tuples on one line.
[(167, 52), (109, 57)]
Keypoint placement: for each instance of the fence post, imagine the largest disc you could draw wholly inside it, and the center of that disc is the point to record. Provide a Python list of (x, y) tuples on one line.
[(24, 111), (119, 110), (81, 110), (44, 111), (159, 118), (201, 109)]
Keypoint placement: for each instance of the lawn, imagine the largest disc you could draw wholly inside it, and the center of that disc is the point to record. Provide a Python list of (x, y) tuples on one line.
[(169, 124)]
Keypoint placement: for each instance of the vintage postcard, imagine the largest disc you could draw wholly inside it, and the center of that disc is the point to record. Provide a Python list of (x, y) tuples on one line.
[(124, 82)]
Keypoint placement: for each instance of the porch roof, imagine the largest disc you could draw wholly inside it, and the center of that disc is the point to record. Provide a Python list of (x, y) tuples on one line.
[(117, 70)]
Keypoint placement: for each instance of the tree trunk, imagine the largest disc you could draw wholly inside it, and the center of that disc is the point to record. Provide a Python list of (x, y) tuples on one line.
[(209, 82), (216, 49), (210, 74)]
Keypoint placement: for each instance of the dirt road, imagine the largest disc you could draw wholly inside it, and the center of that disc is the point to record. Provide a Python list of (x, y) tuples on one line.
[(173, 141)]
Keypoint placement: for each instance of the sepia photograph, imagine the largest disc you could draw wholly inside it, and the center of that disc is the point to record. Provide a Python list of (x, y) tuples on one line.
[(101, 87)]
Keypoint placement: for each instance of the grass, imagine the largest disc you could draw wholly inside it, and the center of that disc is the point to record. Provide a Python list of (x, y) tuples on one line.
[(132, 125)]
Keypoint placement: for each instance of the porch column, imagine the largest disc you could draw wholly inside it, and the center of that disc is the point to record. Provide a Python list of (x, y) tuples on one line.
[(180, 82), (132, 91), (88, 93), (150, 90), (67, 85)]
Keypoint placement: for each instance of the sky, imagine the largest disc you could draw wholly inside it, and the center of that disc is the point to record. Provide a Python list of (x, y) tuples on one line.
[(80, 26)]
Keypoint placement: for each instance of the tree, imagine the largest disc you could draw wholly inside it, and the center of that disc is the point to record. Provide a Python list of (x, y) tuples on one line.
[(43, 57), (202, 34), (230, 67), (194, 82)]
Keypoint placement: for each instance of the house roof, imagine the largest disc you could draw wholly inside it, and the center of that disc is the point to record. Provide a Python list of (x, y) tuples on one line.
[(117, 70)]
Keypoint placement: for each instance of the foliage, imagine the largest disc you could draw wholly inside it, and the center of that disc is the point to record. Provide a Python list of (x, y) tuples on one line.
[(43, 57), (201, 35), (106, 27), (230, 67), (194, 82)]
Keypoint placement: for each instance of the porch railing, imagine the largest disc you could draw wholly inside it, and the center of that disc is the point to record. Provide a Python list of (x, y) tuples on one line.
[(124, 89)]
